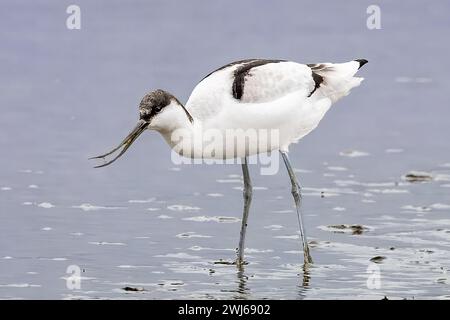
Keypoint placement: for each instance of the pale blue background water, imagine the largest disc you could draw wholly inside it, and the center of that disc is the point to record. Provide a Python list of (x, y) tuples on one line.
[(67, 95)]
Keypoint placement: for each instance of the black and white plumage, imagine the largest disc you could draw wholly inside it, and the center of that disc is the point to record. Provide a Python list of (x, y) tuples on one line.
[(270, 94), (254, 94)]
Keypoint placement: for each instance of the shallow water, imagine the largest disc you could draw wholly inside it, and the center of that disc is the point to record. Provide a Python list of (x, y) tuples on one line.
[(148, 224)]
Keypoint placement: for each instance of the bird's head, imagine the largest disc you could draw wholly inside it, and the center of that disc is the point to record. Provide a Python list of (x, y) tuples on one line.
[(158, 110)]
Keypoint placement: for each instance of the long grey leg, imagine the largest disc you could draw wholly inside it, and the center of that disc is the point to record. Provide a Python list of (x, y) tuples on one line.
[(247, 200), (296, 193)]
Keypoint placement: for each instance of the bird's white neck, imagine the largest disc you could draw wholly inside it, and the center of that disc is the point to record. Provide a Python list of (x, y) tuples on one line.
[(178, 128)]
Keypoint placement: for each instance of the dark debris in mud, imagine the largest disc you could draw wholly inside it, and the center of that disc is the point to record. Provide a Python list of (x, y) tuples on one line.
[(417, 176), (314, 243), (228, 262), (133, 289), (378, 259), (355, 229)]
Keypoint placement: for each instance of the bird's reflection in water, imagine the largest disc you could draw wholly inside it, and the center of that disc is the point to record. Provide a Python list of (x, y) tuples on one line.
[(305, 278), (242, 291)]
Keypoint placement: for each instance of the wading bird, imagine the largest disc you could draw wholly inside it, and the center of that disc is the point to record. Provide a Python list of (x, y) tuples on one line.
[(252, 94)]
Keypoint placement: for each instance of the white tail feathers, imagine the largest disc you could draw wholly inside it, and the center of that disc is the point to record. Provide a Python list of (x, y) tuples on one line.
[(337, 78)]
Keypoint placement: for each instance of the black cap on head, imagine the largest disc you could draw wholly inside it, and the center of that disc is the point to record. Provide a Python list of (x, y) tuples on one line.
[(152, 103)]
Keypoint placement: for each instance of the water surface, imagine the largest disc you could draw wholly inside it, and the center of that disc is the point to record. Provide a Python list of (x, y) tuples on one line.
[(148, 224)]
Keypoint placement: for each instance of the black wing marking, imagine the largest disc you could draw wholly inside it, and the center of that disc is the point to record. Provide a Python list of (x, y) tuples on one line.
[(243, 71), (316, 68), (318, 79), (228, 65)]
